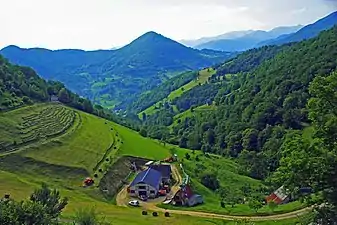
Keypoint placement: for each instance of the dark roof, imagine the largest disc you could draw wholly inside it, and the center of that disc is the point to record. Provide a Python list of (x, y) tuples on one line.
[(164, 169), (150, 176)]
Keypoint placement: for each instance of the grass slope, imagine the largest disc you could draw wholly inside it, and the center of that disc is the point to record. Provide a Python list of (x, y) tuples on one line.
[(188, 113), (202, 79), (64, 160)]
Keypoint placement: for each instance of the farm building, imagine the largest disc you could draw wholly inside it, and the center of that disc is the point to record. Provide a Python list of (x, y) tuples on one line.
[(185, 197), (147, 183), (164, 169), (279, 196)]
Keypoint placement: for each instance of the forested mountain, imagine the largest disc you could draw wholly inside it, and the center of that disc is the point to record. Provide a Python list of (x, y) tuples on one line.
[(148, 98), (107, 76), (307, 32), (256, 107), (244, 62), (247, 41)]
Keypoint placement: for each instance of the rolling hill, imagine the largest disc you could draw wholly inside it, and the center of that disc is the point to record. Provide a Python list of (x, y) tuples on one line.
[(52, 143), (107, 76)]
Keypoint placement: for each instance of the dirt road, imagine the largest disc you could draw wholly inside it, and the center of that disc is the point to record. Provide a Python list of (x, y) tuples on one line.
[(122, 200)]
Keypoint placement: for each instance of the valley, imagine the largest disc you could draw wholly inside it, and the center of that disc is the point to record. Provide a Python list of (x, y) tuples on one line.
[(240, 128), (65, 160)]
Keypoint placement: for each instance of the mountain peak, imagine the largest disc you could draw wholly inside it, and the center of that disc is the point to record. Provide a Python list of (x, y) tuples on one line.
[(150, 36)]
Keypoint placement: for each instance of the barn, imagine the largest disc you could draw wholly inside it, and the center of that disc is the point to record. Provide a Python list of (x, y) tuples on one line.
[(146, 183), (165, 170)]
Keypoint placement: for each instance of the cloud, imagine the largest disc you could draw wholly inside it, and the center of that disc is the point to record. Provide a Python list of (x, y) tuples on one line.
[(106, 23)]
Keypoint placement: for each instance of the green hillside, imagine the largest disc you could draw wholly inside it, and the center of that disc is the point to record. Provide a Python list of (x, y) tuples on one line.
[(202, 78), (65, 159)]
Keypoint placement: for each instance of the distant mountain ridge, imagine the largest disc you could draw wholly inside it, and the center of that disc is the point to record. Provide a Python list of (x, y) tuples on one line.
[(107, 76), (229, 35), (307, 32), (247, 41)]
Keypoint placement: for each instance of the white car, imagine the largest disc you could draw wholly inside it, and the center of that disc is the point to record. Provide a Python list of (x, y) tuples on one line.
[(134, 203)]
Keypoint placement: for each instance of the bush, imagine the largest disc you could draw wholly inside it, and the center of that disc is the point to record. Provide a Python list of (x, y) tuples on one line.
[(88, 217), (210, 181), (100, 170), (144, 213), (187, 156), (155, 214), (167, 214)]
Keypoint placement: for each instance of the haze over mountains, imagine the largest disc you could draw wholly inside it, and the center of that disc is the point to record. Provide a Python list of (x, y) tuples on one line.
[(244, 40), (252, 35)]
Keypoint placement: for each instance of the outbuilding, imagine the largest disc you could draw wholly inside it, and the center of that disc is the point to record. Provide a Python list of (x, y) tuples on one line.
[(147, 183)]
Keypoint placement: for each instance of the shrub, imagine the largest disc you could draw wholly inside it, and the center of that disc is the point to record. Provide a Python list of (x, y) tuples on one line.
[(210, 181)]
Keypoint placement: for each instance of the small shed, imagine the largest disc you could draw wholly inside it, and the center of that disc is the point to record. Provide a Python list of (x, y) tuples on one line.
[(146, 183), (279, 196)]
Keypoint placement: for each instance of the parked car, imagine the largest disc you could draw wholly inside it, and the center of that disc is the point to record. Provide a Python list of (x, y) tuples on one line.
[(134, 203)]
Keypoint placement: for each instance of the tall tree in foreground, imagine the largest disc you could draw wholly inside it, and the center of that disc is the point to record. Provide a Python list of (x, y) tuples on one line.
[(314, 163), (43, 208)]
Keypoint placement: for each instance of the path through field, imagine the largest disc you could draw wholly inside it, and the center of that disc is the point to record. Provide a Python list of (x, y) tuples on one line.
[(122, 200)]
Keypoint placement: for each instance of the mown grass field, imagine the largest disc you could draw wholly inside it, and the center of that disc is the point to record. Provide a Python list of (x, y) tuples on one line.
[(202, 79), (66, 158)]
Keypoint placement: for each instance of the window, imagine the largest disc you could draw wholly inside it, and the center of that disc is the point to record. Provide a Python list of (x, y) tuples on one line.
[(152, 192), (132, 191), (142, 187)]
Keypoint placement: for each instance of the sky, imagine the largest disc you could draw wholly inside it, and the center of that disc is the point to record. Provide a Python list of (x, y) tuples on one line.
[(104, 24)]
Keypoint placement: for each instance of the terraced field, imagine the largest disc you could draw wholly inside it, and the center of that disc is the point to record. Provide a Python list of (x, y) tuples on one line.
[(30, 125)]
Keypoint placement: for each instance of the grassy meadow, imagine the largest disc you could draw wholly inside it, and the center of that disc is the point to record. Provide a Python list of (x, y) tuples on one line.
[(78, 150)]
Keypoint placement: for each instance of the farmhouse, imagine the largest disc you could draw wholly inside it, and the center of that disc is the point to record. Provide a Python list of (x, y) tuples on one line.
[(147, 183), (186, 197)]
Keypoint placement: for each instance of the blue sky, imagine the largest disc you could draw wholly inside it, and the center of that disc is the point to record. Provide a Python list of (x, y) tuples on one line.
[(103, 24)]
